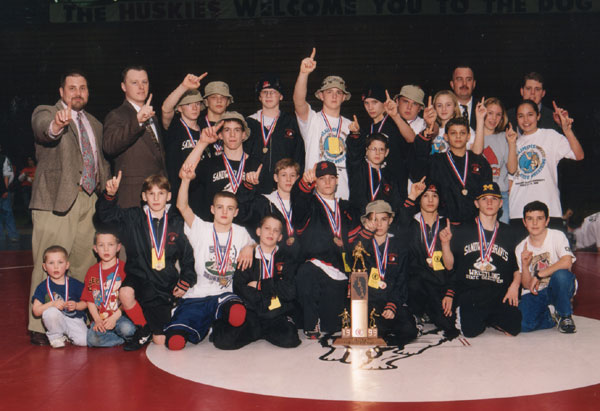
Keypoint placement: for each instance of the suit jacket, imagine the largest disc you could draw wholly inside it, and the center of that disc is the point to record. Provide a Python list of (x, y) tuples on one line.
[(60, 162), (133, 150)]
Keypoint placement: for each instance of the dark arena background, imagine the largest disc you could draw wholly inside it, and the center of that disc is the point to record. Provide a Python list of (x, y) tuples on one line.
[(394, 42)]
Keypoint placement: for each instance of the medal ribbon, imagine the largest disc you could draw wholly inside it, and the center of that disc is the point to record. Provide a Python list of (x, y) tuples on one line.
[(266, 270), (189, 133), (235, 177), (485, 248), (429, 246), (222, 257), (158, 247), (334, 217), (262, 129), (381, 258), (374, 192), (380, 125), (286, 215), (105, 297), (50, 292), (463, 178), (339, 128)]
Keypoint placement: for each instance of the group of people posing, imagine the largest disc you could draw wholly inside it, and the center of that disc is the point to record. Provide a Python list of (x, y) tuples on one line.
[(268, 209)]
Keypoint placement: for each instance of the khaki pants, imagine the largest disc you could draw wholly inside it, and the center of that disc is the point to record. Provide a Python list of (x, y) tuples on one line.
[(74, 231)]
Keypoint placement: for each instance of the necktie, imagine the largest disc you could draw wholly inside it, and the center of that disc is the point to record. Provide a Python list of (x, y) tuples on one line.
[(151, 130), (465, 111), (88, 178)]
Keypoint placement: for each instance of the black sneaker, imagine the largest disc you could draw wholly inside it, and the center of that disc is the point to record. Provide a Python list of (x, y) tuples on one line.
[(566, 325), (141, 337)]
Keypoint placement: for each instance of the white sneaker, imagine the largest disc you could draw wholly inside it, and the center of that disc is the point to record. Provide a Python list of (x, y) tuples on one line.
[(59, 342)]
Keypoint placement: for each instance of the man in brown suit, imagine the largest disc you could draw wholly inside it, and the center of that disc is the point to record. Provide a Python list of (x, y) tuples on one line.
[(132, 137), (71, 170)]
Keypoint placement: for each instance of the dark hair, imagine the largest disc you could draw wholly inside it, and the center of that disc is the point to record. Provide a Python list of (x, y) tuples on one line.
[(71, 73), (156, 180), (535, 206), (377, 137), (531, 103), (225, 194), (107, 229), (132, 67), (270, 215), (456, 121), (55, 249), (463, 64), (533, 76)]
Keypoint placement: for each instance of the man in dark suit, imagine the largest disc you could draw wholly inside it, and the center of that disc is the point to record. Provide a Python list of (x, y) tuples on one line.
[(132, 138), (463, 83), (71, 171), (533, 89)]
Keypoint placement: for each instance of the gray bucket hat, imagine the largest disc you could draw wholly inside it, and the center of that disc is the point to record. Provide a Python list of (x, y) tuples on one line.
[(234, 115), (334, 82), (217, 87)]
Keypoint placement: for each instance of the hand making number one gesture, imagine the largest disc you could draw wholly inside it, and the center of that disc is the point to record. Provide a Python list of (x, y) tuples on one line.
[(391, 107), (112, 184), (309, 64), (561, 117), (429, 115), (62, 118), (446, 233), (192, 82), (354, 127), (146, 112)]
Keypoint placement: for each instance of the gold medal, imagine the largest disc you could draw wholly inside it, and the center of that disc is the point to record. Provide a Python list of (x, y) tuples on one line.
[(465, 191), (290, 241), (223, 281), (374, 278), (338, 241), (265, 150), (275, 303), (382, 284), (158, 264)]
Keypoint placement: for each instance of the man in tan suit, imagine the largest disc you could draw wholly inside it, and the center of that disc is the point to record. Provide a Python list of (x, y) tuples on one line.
[(71, 170), (132, 137)]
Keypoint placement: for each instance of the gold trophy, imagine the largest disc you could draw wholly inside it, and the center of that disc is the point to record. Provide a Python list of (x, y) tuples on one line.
[(357, 331)]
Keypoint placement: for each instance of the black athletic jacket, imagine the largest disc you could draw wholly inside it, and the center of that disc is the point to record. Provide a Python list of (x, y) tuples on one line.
[(135, 236)]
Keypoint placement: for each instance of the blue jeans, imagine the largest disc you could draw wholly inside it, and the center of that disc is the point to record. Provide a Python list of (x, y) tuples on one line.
[(123, 330), (558, 293), (505, 211), (7, 218)]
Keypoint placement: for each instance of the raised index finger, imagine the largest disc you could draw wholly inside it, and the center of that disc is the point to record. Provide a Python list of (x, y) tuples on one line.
[(119, 175), (387, 95), (201, 76), (314, 51), (554, 105), (429, 102), (149, 99), (448, 224)]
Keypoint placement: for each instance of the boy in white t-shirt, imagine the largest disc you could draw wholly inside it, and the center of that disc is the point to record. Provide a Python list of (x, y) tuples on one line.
[(219, 248), (545, 260), (324, 132)]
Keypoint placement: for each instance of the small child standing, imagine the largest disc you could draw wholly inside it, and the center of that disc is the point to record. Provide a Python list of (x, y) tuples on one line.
[(56, 300), (101, 293)]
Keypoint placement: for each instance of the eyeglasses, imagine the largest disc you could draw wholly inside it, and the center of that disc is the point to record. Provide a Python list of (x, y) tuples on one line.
[(268, 92)]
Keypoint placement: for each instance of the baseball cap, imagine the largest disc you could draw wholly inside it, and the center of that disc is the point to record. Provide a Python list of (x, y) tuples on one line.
[(325, 168), (490, 189)]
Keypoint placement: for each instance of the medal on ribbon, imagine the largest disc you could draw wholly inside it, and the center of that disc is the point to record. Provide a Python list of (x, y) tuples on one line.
[(429, 246), (333, 139), (380, 124), (485, 247), (235, 177), (267, 138), (286, 215), (334, 218), (158, 242), (105, 296), (266, 266), (461, 178), (189, 133), (381, 260), (371, 185), (50, 292), (222, 257)]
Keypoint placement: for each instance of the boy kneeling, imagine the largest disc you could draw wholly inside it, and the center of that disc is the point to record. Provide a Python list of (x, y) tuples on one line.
[(154, 240), (545, 260), (219, 248), (268, 287)]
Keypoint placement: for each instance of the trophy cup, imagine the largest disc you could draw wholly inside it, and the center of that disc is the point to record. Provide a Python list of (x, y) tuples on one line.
[(356, 330)]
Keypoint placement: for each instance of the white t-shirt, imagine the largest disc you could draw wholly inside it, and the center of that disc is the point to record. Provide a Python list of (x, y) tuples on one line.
[(589, 233), (209, 281), (417, 124), (321, 144), (555, 246), (538, 155)]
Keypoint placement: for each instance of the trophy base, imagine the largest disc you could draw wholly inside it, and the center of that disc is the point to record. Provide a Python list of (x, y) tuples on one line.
[(360, 341)]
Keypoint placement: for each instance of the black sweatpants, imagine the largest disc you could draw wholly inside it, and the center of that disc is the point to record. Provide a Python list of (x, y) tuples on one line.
[(321, 297), (426, 298), (400, 330), (475, 317)]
